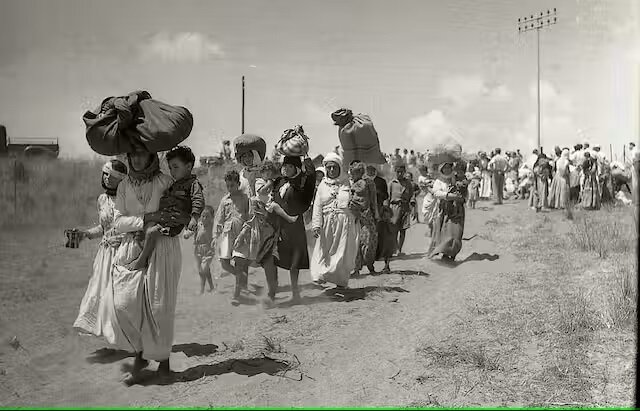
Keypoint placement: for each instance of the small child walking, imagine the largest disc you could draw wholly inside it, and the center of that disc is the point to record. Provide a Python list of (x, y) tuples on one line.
[(203, 247), (474, 187), (387, 241), (180, 205), (249, 239), (229, 219)]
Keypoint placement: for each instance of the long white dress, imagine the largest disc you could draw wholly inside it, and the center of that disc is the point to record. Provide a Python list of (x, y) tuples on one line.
[(96, 315), (335, 251), (145, 300)]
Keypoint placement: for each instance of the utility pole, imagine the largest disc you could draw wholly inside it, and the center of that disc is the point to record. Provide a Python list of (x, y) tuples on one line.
[(537, 23), (242, 104)]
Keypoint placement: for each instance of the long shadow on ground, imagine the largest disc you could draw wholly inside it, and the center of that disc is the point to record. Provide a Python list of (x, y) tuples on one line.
[(472, 257), (344, 295), (249, 367), (108, 355)]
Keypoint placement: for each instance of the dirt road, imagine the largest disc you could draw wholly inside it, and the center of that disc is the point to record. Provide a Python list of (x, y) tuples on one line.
[(384, 344)]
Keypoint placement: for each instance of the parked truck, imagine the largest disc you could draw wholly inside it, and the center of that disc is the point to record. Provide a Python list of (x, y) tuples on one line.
[(27, 147)]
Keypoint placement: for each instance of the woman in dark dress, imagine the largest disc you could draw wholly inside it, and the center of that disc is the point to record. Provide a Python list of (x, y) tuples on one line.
[(293, 192)]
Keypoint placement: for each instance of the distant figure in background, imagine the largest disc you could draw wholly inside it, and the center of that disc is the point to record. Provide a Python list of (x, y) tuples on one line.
[(413, 159), (559, 192), (225, 151), (396, 158), (590, 188), (498, 166), (485, 185), (474, 187)]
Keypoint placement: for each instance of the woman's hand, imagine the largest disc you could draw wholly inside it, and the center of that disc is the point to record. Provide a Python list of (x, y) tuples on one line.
[(84, 234), (274, 207), (316, 232)]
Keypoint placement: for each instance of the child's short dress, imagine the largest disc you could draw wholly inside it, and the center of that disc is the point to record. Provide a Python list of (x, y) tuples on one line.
[(230, 217), (474, 189), (203, 251)]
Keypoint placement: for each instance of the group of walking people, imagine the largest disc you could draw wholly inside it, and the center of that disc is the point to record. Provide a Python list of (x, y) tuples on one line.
[(334, 219), (351, 216)]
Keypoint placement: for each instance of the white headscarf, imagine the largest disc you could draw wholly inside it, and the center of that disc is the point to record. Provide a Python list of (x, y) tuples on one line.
[(332, 157)]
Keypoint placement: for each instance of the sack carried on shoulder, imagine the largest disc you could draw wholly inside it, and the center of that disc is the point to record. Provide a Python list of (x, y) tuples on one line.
[(294, 142), (120, 124), (358, 137)]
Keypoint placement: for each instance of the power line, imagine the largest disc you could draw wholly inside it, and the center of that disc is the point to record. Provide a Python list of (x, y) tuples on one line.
[(537, 23)]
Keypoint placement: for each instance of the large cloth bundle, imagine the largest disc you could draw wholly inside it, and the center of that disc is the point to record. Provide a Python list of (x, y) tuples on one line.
[(446, 151), (247, 143), (358, 137), (620, 175), (121, 124), (294, 142)]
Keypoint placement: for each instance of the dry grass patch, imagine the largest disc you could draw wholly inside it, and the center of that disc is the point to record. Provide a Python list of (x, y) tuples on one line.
[(605, 232), (450, 355), (576, 315), (622, 295)]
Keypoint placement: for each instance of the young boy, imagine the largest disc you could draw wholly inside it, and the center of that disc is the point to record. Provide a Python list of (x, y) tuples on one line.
[(232, 213), (180, 205), (203, 247)]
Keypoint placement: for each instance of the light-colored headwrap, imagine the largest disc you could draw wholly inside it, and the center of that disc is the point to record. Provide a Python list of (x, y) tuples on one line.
[(108, 169), (332, 157), (322, 170)]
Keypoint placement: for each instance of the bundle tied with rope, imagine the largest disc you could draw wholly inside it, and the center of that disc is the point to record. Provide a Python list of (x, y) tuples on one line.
[(358, 137), (122, 124), (293, 143)]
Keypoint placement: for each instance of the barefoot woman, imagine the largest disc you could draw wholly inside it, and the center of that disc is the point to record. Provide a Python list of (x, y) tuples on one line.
[(145, 300)]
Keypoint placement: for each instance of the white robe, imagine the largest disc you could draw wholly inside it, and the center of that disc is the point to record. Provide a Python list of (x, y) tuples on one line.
[(145, 300)]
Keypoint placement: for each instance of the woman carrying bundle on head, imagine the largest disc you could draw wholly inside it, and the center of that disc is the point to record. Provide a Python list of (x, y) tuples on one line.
[(448, 225), (293, 194)]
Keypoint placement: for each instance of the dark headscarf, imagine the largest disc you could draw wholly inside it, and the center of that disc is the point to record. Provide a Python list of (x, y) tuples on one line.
[(143, 176)]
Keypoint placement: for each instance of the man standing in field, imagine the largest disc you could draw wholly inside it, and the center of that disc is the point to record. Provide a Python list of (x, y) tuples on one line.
[(498, 165)]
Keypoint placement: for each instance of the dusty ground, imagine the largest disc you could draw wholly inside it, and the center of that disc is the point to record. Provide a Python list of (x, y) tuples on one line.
[(508, 325)]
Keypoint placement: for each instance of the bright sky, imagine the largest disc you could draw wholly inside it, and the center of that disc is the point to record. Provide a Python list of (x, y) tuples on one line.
[(421, 69)]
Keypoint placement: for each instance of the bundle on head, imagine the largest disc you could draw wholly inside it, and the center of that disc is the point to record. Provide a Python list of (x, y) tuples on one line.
[(248, 143), (449, 151), (294, 142), (120, 124)]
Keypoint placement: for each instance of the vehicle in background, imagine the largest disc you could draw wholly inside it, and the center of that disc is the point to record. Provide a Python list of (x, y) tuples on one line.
[(27, 147)]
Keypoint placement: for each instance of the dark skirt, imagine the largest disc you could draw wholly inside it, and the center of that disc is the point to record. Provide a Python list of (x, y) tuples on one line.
[(387, 240), (292, 246)]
